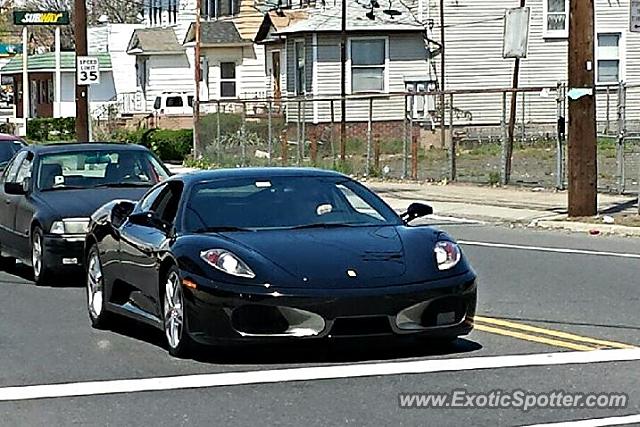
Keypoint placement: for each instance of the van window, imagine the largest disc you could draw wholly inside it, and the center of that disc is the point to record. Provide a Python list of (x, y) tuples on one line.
[(174, 101), (190, 100), (156, 103)]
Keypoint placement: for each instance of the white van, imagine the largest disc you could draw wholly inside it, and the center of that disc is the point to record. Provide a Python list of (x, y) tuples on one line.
[(174, 104)]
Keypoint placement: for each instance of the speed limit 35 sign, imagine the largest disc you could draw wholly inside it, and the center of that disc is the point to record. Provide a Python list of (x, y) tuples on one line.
[(88, 70)]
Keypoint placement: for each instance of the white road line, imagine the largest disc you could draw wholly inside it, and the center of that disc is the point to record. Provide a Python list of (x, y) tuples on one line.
[(90, 388), (547, 249), (594, 422)]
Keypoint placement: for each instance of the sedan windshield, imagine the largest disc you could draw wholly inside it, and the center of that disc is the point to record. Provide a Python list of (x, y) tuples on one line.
[(284, 203), (98, 168)]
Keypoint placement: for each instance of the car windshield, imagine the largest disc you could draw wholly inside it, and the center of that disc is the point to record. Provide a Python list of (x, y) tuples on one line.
[(8, 149), (283, 203), (98, 168)]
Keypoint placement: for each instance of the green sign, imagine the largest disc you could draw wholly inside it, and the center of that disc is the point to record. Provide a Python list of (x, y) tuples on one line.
[(22, 17)]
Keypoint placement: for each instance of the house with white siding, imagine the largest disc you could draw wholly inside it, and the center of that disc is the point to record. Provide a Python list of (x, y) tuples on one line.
[(473, 58), (386, 55), (233, 66)]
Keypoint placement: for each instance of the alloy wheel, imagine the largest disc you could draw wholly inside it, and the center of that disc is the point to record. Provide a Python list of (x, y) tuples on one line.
[(94, 286), (36, 254), (173, 310)]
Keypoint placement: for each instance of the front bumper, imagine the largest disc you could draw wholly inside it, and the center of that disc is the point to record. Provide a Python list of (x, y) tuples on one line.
[(218, 313), (63, 250)]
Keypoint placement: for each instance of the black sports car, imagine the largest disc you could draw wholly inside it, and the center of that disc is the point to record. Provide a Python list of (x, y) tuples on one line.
[(48, 193), (261, 254)]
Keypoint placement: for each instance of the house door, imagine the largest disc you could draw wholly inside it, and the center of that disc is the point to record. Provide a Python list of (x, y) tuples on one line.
[(275, 74)]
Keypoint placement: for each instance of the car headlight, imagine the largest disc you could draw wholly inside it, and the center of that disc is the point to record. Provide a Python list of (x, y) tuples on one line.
[(227, 262), (447, 254), (70, 226)]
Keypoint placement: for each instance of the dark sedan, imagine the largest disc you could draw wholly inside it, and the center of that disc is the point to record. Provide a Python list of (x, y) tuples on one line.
[(9, 146), (48, 193), (265, 254)]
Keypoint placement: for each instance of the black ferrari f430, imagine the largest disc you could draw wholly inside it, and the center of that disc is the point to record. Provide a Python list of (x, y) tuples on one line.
[(227, 256)]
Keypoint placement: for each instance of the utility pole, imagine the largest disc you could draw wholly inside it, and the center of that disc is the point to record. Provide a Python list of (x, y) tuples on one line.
[(196, 95), (343, 83), (512, 115), (82, 102), (442, 78), (582, 149)]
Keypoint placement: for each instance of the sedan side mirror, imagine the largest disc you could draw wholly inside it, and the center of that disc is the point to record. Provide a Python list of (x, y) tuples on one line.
[(15, 188), (121, 211), (416, 210)]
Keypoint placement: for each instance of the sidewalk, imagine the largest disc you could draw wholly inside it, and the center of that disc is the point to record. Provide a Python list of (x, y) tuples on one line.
[(493, 204), (537, 207)]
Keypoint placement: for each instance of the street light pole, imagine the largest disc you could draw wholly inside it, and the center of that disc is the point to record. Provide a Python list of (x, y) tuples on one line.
[(197, 76), (442, 78)]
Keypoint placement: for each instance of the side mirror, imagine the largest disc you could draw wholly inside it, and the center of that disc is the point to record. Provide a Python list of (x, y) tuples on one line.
[(120, 211), (148, 219), (416, 210), (16, 188)]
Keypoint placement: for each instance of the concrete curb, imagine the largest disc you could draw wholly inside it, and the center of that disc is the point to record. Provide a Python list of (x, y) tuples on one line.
[(585, 227)]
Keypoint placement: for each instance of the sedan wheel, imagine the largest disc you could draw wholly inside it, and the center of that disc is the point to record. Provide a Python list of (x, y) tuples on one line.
[(95, 291), (40, 271), (174, 315)]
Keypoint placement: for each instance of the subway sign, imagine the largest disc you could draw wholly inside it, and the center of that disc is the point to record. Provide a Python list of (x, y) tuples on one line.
[(22, 17)]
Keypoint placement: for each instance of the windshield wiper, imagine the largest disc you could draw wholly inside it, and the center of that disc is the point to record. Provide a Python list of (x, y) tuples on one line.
[(221, 229), (65, 187), (322, 225), (122, 184)]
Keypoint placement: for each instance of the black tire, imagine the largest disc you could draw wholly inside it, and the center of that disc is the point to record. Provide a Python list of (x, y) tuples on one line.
[(178, 342), (41, 273), (98, 315)]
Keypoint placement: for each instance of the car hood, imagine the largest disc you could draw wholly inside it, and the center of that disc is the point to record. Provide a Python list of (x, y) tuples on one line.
[(82, 203), (330, 258)]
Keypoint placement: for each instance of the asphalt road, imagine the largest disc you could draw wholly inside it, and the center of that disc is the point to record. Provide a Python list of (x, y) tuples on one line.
[(541, 293)]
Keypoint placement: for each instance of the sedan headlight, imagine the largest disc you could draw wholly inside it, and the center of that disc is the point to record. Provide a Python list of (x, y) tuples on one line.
[(447, 254), (70, 226), (227, 262)]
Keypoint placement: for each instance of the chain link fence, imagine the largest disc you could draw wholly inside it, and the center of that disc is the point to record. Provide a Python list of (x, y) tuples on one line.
[(416, 136)]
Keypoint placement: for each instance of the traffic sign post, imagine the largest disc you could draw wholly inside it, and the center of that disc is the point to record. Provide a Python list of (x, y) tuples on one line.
[(634, 16), (87, 70)]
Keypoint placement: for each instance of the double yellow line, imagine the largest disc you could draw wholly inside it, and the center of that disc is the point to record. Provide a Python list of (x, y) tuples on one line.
[(544, 336)]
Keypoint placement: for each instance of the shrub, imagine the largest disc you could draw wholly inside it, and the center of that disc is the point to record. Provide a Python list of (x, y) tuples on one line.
[(169, 145), (51, 129)]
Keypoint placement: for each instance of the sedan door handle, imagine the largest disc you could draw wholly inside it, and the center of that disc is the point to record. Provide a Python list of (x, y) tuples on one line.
[(7, 201)]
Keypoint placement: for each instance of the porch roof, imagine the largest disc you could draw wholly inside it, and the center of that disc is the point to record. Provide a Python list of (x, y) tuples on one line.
[(47, 62)]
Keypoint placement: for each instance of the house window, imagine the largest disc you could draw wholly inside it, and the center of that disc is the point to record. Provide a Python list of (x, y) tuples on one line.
[(300, 68), (556, 18), (608, 56), (218, 8), (368, 64), (228, 79)]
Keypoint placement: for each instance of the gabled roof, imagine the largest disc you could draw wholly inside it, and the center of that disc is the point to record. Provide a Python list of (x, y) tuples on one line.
[(154, 40), (329, 19), (47, 62), (276, 21), (222, 33)]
